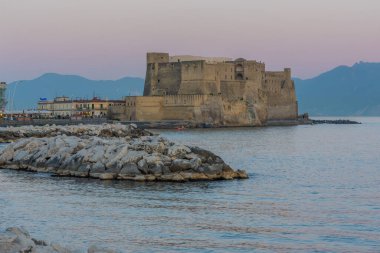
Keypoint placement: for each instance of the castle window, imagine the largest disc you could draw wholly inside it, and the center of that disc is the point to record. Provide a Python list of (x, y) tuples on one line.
[(225, 77), (239, 68), (239, 76), (158, 80)]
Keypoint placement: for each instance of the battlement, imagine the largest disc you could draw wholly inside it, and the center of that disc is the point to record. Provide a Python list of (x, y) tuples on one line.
[(157, 57), (189, 58)]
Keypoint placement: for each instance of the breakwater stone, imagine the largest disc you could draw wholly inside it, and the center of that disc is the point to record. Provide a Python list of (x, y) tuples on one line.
[(112, 152), (9, 134), (337, 121)]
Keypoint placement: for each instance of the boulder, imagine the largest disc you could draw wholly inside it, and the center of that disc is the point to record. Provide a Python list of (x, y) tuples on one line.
[(143, 166), (180, 165), (178, 151), (129, 170)]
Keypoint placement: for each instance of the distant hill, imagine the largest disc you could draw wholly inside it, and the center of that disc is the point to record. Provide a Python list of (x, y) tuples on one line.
[(343, 91), (50, 85)]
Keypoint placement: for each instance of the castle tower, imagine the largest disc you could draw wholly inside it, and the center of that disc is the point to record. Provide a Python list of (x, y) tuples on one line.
[(151, 78), (288, 73)]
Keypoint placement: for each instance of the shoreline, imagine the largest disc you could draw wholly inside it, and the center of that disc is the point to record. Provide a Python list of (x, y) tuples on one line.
[(172, 124), (164, 124)]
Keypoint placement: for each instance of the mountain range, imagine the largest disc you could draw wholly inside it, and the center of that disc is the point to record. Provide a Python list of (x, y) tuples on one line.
[(27, 93), (342, 91)]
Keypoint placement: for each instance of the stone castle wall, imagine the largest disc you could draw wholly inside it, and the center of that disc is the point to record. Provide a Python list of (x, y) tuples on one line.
[(280, 91), (215, 91)]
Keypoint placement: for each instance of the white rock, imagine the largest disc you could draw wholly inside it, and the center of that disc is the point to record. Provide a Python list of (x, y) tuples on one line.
[(179, 151)]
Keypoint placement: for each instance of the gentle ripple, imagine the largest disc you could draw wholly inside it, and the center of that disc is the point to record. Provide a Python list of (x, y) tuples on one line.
[(311, 189)]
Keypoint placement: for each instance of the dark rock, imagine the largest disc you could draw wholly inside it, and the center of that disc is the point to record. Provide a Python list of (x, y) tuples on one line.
[(338, 121), (205, 155), (180, 165), (143, 166), (130, 169)]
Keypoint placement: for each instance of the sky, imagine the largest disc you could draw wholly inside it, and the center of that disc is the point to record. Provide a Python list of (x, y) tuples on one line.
[(108, 39)]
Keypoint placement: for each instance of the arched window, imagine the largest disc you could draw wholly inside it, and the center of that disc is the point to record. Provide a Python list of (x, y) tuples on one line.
[(239, 68)]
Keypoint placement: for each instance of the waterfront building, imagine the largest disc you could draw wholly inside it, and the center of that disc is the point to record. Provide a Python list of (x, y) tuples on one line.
[(3, 102), (66, 107)]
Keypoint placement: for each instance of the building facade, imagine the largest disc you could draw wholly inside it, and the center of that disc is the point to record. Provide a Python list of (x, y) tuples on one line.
[(3, 102), (66, 107), (211, 90)]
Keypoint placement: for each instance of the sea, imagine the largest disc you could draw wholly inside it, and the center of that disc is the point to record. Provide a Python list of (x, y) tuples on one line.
[(311, 188)]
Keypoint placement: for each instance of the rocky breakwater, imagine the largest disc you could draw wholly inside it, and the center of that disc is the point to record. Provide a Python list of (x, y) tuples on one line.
[(336, 121), (16, 239), (145, 157), (10, 134)]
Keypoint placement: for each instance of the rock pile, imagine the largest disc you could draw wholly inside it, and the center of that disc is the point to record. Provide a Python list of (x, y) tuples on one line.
[(143, 158), (9, 134), (15, 239)]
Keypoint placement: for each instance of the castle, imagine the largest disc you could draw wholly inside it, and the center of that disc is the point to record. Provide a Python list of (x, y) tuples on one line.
[(217, 91)]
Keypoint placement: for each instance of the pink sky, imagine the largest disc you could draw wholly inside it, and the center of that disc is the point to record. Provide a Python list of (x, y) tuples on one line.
[(108, 39)]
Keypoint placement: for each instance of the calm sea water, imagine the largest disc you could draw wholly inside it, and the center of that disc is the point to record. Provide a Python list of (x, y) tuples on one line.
[(311, 189)]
